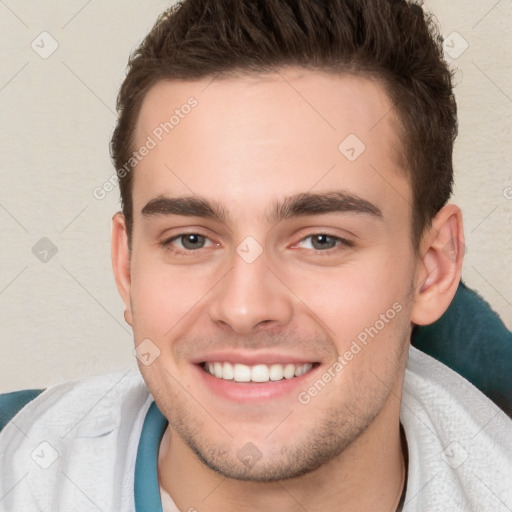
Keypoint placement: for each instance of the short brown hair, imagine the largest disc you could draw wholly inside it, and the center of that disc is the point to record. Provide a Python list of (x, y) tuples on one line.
[(393, 40)]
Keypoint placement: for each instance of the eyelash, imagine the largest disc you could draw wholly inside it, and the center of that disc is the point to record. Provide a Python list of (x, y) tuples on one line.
[(341, 243)]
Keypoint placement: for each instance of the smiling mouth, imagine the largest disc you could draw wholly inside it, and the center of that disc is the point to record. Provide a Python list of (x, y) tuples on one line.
[(260, 373)]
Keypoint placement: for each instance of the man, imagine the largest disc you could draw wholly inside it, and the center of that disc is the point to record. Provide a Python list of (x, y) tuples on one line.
[(284, 170)]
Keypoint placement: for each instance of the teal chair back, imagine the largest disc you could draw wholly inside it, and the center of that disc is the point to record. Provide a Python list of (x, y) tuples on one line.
[(471, 339)]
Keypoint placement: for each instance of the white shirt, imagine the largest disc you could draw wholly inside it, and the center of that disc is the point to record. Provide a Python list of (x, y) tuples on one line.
[(167, 504), (86, 433)]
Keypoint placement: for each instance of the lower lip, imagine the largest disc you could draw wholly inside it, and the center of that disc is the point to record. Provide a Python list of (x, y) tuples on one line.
[(243, 392)]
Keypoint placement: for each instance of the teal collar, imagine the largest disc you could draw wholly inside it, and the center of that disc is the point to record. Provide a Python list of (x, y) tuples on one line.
[(146, 487)]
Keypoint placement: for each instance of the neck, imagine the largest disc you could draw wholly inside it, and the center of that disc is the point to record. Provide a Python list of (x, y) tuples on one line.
[(368, 475)]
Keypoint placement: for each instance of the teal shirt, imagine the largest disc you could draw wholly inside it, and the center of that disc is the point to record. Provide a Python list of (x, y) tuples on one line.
[(469, 338)]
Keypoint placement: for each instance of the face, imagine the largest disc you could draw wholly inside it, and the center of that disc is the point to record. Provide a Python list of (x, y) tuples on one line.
[(272, 249)]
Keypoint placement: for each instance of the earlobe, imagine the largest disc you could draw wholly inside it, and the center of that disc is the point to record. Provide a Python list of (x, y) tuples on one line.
[(120, 254), (439, 268)]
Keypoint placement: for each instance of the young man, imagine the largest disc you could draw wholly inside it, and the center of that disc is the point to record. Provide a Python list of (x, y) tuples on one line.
[(284, 170)]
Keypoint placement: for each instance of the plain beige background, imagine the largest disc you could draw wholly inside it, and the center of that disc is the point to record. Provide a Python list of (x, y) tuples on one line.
[(62, 319)]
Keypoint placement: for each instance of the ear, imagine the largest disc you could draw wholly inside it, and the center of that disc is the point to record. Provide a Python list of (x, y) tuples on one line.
[(121, 262), (439, 266)]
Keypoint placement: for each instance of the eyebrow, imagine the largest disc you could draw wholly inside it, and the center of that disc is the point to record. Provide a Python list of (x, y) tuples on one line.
[(307, 204), (304, 204), (189, 206)]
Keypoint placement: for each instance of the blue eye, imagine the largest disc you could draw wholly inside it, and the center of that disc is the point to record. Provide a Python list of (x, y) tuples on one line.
[(192, 241), (324, 242), (186, 242)]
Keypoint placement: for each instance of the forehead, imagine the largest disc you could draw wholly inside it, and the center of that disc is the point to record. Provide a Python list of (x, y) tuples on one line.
[(247, 140)]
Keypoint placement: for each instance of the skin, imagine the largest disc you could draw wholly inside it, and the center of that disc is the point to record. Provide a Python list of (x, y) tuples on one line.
[(249, 143)]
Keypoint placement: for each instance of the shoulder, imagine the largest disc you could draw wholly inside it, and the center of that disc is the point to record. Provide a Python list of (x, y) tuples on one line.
[(457, 439), (69, 427), (12, 403), (60, 403), (471, 339)]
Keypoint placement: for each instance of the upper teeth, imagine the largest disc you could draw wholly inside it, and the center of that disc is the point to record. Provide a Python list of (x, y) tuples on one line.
[(257, 373)]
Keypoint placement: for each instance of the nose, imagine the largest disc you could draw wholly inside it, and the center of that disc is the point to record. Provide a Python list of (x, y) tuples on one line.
[(251, 297)]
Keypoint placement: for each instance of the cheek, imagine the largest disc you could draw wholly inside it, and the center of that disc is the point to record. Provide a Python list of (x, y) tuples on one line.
[(362, 295), (167, 300), (160, 295)]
